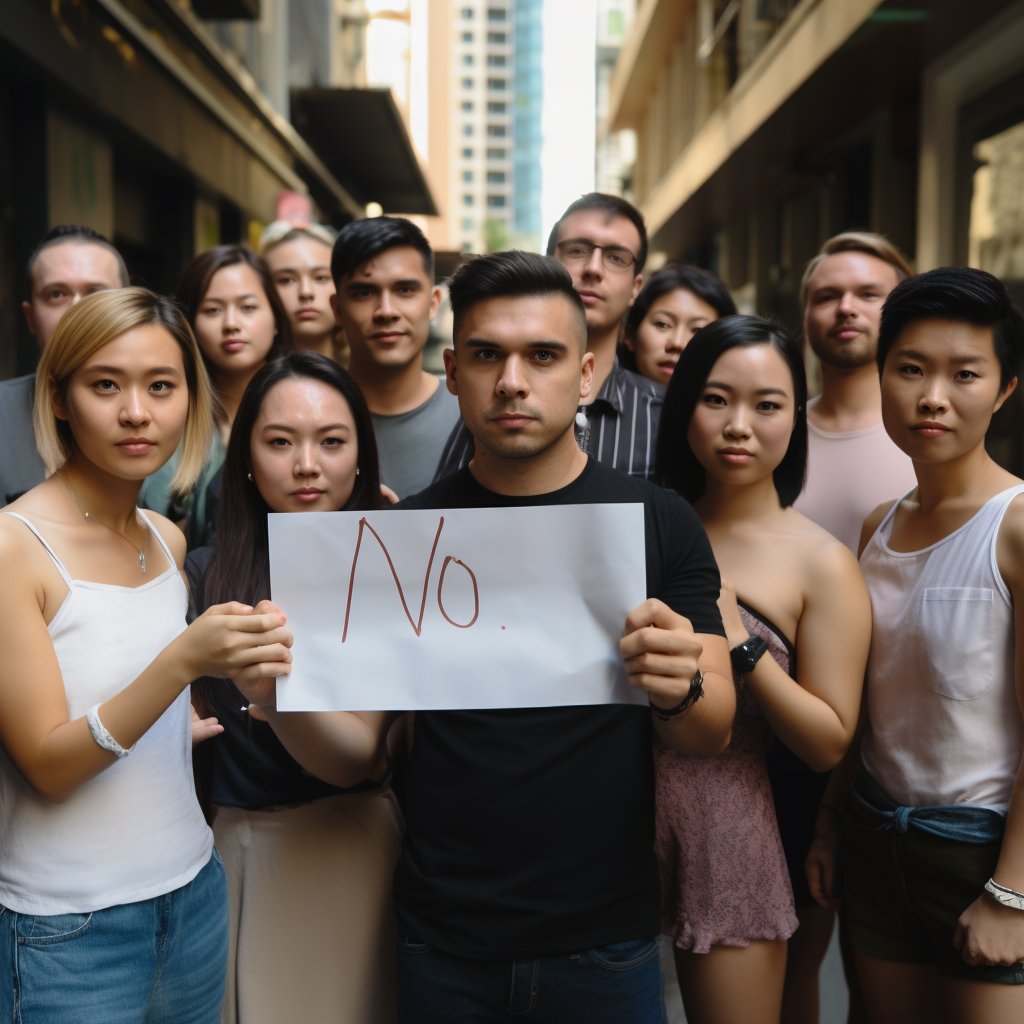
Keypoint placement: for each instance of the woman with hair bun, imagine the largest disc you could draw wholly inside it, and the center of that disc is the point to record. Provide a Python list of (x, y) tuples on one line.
[(733, 442), (113, 904)]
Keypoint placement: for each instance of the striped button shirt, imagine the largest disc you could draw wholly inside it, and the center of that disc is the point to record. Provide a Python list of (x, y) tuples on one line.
[(622, 426)]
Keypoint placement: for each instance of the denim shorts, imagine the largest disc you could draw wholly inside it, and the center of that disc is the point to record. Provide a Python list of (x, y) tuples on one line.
[(616, 984), (904, 893), (159, 961)]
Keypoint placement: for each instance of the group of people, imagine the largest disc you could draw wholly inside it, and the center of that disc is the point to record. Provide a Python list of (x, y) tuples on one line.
[(827, 648)]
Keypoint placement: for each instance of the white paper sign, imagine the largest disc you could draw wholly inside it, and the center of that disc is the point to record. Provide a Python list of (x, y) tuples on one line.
[(457, 608)]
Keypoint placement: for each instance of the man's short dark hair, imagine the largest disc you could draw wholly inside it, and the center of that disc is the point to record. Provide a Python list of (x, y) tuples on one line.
[(613, 206), (78, 234), (963, 295), (511, 275), (363, 240)]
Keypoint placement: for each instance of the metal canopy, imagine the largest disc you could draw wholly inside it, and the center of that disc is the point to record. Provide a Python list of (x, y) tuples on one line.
[(360, 136)]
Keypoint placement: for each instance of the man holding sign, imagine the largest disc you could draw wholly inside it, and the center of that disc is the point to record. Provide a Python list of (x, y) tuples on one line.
[(528, 884)]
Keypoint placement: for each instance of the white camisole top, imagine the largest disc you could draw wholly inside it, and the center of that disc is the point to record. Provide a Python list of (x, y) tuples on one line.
[(944, 724), (135, 831)]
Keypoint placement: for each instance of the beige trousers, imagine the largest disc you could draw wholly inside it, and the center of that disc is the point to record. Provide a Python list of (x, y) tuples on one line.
[(312, 923)]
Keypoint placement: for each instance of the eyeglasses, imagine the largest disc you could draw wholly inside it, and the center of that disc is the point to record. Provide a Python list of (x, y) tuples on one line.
[(579, 250)]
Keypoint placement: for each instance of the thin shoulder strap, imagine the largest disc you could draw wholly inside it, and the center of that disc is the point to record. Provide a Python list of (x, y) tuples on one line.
[(42, 540), (160, 540)]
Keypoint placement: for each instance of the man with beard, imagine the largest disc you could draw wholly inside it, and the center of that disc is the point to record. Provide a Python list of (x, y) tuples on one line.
[(601, 240), (852, 465)]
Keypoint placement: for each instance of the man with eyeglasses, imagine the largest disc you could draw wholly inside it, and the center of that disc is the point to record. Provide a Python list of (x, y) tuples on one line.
[(601, 240)]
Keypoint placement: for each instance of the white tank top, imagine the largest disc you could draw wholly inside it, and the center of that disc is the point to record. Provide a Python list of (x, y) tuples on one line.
[(135, 831), (944, 725)]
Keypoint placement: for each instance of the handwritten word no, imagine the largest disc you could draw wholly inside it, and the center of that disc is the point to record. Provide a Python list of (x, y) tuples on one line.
[(418, 624)]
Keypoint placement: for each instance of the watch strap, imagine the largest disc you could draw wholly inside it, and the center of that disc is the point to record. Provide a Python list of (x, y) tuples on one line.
[(746, 655)]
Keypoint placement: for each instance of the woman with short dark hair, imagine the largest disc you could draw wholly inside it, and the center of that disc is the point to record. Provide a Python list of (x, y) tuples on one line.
[(733, 442)]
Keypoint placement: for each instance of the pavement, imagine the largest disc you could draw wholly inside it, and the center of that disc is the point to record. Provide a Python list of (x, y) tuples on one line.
[(834, 1000)]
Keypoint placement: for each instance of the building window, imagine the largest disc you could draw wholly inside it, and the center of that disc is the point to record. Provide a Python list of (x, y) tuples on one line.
[(467, 105), (495, 108), (495, 131), (467, 200), (467, 129), (467, 37), (496, 38), (496, 60), (467, 223), (467, 59), (495, 202), (467, 154), (497, 84), (468, 176), (495, 14), (467, 12), (494, 154), (495, 177), (467, 83)]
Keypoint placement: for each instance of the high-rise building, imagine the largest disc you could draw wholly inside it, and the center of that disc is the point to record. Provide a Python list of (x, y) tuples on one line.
[(484, 131), (614, 152)]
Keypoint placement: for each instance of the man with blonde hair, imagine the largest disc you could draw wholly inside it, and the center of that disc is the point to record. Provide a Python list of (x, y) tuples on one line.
[(852, 465)]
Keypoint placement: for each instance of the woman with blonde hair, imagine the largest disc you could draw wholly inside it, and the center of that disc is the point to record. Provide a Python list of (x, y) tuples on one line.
[(113, 904), (299, 259)]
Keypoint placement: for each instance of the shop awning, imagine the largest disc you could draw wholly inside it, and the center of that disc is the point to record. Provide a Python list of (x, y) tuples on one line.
[(361, 138)]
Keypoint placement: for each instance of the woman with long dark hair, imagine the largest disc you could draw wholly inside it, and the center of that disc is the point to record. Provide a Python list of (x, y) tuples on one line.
[(306, 824), (238, 319), (733, 442), (676, 302)]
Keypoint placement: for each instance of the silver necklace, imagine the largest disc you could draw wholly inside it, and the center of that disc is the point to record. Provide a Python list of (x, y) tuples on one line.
[(141, 551)]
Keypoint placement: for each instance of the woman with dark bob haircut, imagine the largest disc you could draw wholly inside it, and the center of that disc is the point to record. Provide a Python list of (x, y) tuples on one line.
[(733, 442), (677, 301), (307, 826)]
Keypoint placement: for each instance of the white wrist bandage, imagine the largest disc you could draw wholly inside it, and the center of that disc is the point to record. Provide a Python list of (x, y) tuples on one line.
[(101, 736)]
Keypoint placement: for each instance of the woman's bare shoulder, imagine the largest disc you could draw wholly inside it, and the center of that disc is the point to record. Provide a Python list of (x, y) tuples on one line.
[(826, 560)]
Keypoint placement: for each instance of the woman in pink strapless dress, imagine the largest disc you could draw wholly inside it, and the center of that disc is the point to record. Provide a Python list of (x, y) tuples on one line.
[(723, 870), (733, 442)]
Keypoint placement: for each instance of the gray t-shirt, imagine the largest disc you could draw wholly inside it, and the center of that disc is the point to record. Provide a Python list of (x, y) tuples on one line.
[(410, 444), (21, 468)]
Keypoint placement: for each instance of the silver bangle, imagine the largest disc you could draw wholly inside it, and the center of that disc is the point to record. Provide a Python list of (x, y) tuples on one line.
[(1008, 897), (101, 736)]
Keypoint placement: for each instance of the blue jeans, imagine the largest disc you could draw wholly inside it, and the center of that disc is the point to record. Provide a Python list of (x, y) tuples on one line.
[(618, 984), (160, 961)]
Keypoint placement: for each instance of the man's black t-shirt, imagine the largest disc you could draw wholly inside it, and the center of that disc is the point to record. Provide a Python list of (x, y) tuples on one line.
[(530, 831)]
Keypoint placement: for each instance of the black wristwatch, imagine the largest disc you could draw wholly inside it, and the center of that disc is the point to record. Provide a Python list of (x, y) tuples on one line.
[(695, 693), (746, 655)]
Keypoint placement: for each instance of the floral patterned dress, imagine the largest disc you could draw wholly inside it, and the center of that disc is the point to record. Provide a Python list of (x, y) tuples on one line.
[(723, 872)]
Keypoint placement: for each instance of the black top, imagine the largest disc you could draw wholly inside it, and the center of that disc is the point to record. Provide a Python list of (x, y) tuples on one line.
[(530, 831), (251, 767), (622, 427)]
